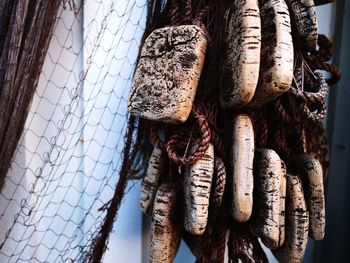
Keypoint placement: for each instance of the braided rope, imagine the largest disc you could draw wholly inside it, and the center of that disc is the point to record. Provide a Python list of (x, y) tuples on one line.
[(198, 21), (222, 245), (316, 115), (281, 112), (312, 97), (245, 247), (263, 132), (155, 137), (325, 51), (316, 63), (218, 189), (303, 141), (175, 13), (200, 148), (219, 183), (188, 11), (211, 112)]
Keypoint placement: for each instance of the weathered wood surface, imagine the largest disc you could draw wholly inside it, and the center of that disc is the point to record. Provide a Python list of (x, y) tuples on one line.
[(297, 223), (242, 156), (311, 171), (276, 62), (151, 180), (197, 186), (240, 73), (167, 74), (165, 230), (303, 15), (267, 197)]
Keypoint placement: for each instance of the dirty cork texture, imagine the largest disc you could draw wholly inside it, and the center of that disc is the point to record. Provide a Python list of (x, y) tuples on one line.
[(167, 74), (297, 223), (242, 156), (276, 61), (283, 189), (267, 196), (151, 180), (303, 15), (197, 186), (242, 57), (165, 235), (311, 170)]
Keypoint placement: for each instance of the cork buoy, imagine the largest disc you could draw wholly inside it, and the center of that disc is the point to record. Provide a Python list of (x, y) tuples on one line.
[(240, 72), (276, 67), (166, 78)]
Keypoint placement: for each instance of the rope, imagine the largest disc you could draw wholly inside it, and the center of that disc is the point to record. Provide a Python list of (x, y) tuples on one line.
[(155, 137), (312, 97), (200, 148)]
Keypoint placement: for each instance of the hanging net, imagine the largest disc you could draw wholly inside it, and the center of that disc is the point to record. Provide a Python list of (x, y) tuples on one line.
[(68, 157)]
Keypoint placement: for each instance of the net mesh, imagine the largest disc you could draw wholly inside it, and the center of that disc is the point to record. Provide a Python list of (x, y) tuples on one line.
[(67, 160)]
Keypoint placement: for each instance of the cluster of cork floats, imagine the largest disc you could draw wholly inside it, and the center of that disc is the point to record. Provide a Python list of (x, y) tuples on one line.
[(277, 195)]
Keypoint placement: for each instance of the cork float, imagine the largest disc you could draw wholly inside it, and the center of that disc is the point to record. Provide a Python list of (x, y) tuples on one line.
[(166, 78), (165, 231), (282, 211), (297, 223), (276, 67), (151, 180), (242, 56), (303, 15), (197, 186), (311, 171), (242, 156), (267, 197)]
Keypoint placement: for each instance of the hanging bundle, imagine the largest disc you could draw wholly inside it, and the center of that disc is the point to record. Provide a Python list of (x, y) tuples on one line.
[(231, 96)]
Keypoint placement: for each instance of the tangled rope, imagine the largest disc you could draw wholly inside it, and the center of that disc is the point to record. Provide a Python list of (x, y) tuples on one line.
[(203, 143)]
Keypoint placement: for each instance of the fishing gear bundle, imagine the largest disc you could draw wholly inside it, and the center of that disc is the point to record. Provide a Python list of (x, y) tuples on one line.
[(226, 129)]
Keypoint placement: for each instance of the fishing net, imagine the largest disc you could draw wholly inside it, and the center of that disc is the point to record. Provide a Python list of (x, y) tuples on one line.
[(62, 192), (67, 160)]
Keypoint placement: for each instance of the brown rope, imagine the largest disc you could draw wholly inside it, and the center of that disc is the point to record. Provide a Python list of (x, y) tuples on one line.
[(263, 132), (198, 21), (199, 150), (222, 245), (316, 63), (244, 246), (212, 112), (312, 97), (281, 112), (175, 16), (220, 182), (188, 12), (314, 116), (218, 188), (155, 137), (325, 51)]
